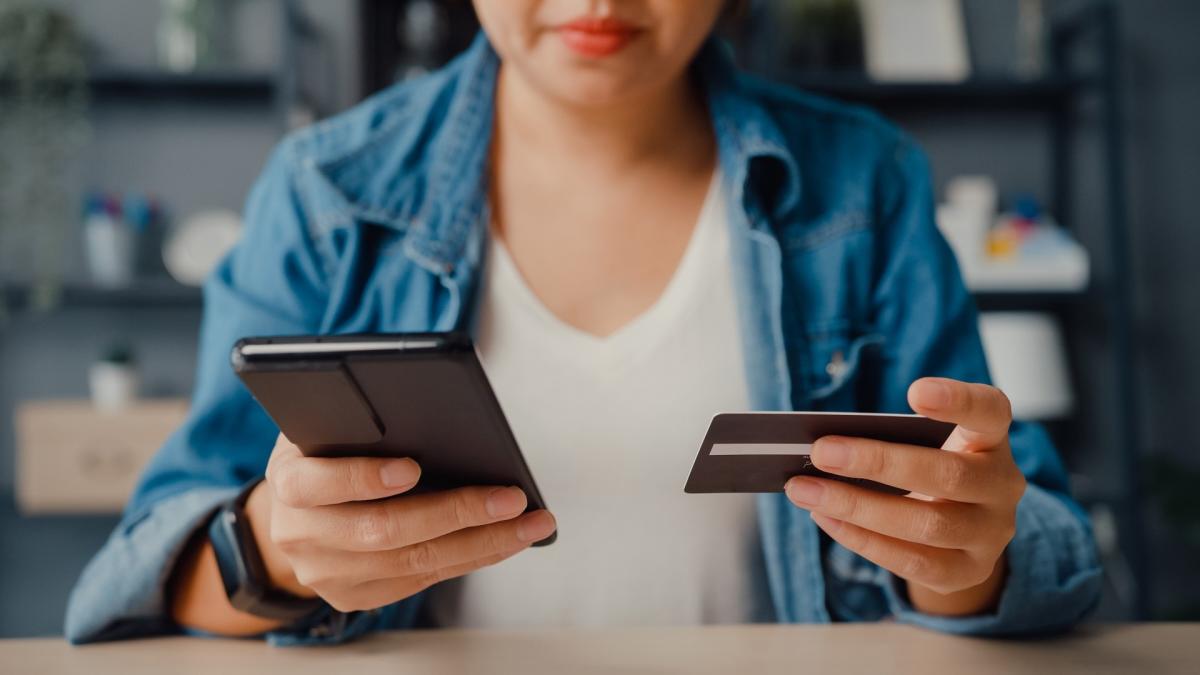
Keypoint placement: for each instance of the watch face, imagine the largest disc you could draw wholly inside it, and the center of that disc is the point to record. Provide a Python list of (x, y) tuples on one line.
[(225, 550)]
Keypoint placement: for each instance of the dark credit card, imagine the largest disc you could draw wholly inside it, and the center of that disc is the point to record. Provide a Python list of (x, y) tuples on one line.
[(760, 451)]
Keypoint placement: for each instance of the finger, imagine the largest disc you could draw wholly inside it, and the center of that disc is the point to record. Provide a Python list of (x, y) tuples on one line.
[(410, 519), (451, 550), (477, 543), (982, 413), (304, 482), (960, 477), (943, 570), (373, 594), (939, 524)]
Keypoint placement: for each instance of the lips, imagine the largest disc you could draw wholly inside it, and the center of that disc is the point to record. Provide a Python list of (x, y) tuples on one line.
[(595, 37)]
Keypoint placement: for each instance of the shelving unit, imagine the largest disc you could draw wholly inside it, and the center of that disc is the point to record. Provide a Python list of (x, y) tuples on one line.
[(144, 293), (278, 89), (1012, 301), (991, 93), (215, 86), (36, 576), (168, 293), (1056, 97)]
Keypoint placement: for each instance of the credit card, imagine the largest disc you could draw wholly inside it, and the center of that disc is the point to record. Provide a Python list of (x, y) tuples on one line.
[(760, 451)]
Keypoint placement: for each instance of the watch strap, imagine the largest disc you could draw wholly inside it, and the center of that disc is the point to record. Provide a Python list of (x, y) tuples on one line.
[(243, 572)]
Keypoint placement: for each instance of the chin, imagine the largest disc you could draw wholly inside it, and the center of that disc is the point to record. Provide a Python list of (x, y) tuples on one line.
[(591, 88)]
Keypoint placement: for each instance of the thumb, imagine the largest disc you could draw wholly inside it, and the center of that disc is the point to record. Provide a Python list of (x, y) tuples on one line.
[(981, 412)]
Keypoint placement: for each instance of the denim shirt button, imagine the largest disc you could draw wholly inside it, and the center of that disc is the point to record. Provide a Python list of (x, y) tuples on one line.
[(837, 367)]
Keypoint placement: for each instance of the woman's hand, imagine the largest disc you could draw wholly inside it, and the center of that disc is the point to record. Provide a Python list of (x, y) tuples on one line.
[(947, 539), (335, 527)]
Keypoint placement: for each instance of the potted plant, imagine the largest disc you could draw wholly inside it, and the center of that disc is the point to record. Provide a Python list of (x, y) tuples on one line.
[(114, 379)]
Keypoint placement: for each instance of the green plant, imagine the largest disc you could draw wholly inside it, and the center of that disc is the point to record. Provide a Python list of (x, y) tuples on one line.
[(43, 127), (1171, 485), (823, 34), (194, 34), (119, 354)]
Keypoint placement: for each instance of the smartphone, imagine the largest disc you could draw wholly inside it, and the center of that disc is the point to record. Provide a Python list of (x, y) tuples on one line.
[(418, 395)]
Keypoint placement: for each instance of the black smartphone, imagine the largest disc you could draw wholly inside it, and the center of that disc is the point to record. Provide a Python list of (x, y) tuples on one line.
[(418, 395)]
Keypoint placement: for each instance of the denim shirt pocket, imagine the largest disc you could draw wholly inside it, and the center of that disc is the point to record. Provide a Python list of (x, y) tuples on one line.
[(835, 355)]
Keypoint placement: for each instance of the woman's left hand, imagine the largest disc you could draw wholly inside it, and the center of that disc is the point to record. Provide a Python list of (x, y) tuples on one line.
[(947, 539)]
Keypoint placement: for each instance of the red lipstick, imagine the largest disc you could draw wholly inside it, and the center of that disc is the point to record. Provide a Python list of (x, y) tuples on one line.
[(596, 37)]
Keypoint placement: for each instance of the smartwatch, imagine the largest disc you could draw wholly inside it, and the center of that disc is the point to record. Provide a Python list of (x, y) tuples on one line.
[(243, 573)]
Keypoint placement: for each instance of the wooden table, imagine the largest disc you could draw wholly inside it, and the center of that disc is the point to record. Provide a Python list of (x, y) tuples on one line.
[(862, 648)]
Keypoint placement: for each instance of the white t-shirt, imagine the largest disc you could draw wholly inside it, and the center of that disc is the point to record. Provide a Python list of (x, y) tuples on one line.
[(610, 427)]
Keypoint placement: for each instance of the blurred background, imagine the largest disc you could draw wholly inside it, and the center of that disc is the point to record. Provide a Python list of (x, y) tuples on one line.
[(1064, 136)]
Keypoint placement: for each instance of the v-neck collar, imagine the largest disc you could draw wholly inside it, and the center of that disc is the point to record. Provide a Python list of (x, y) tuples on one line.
[(653, 324)]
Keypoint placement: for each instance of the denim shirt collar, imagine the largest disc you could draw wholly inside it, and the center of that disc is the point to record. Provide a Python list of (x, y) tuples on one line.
[(443, 214), (752, 148)]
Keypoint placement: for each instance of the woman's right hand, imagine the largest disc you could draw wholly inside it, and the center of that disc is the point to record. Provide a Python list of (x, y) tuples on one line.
[(341, 528)]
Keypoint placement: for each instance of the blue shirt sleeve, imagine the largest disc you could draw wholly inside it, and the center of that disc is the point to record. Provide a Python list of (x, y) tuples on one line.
[(931, 328), (272, 283)]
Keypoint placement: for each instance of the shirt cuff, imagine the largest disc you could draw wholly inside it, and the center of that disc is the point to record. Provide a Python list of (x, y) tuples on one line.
[(1054, 576), (121, 593)]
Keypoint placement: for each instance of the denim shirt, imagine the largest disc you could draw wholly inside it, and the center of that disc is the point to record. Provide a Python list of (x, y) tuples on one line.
[(375, 220)]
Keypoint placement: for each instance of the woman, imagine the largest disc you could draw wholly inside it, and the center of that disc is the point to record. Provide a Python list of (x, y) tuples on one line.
[(639, 236)]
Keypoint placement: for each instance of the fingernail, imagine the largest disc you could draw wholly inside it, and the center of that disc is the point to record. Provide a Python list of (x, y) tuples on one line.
[(936, 395), (505, 502), (831, 453), (805, 491), (398, 473), (536, 526)]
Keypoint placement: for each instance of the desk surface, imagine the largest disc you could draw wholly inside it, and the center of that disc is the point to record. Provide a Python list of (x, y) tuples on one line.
[(862, 648)]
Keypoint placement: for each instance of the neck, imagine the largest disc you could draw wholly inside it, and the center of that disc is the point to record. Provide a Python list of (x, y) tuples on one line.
[(668, 123)]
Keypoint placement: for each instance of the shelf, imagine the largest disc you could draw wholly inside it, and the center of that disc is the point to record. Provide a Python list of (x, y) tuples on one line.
[(167, 294), (225, 86), (157, 293), (160, 84), (1056, 269), (983, 92), (1026, 300), (1066, 274)]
